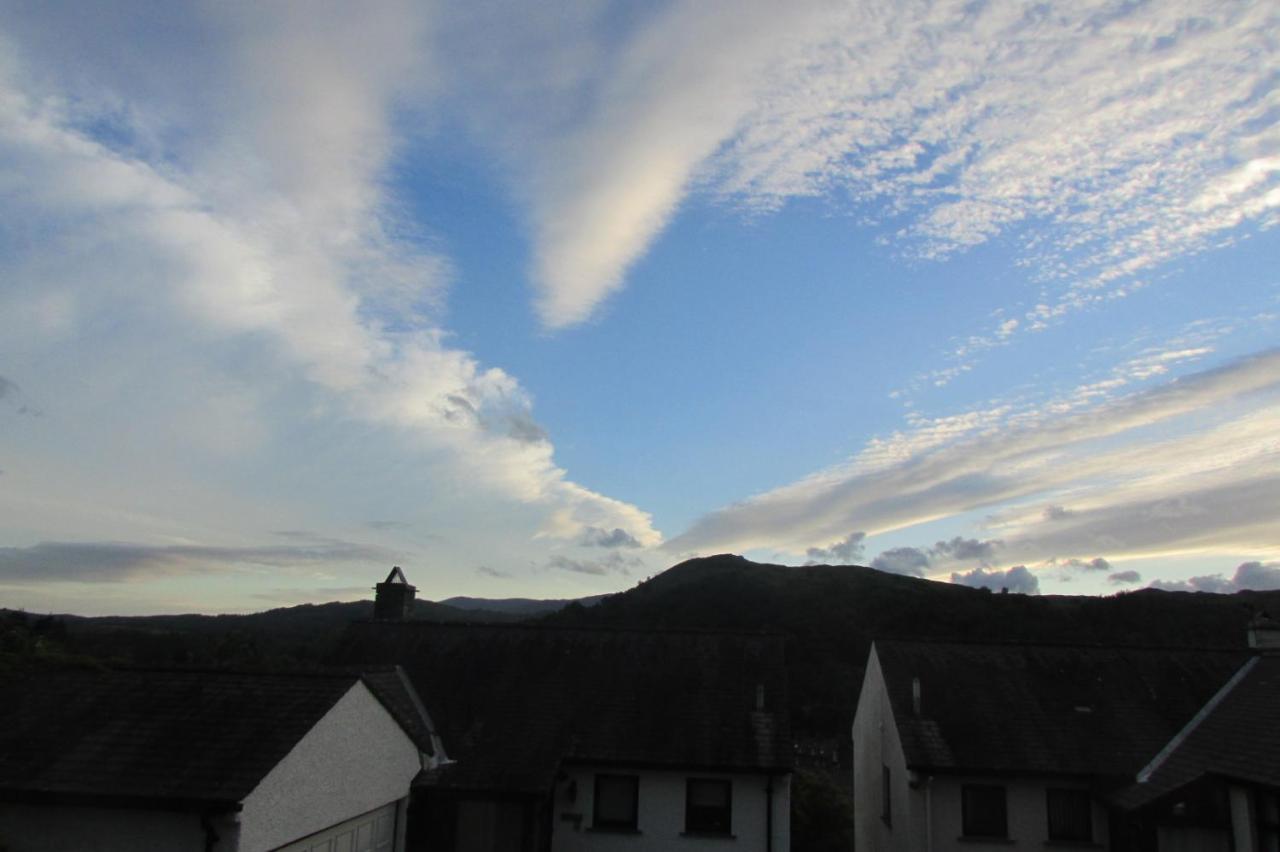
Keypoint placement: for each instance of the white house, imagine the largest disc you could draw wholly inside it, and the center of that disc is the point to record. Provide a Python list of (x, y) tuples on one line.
[(572, 739), (965, 746), (642, 808), (209, 761)]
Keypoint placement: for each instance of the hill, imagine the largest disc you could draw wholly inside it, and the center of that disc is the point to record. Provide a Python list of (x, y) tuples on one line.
[(520, 606), (287, 637), (832, 612)]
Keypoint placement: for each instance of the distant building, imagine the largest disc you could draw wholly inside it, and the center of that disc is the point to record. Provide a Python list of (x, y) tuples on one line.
[(594, 739), (962, 746), (209, 761)]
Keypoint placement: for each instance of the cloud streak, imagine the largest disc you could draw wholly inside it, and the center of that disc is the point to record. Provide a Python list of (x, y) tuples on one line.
[(1190, 466), (109, 562)]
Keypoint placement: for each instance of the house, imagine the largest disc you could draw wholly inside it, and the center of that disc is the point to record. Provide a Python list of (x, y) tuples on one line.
[(573, 739), (1017, 746), (209, 761)]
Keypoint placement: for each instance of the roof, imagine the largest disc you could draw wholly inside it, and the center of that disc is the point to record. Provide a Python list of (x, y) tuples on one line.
[(396, 577), (391, 686), (167, 739), (1045, 709), (514, 702), (1236, 736)]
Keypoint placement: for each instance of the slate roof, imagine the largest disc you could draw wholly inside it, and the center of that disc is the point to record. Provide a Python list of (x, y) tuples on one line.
[(391, 686), (167, 739), (1046, 709), (512, 702), (1237, 736)]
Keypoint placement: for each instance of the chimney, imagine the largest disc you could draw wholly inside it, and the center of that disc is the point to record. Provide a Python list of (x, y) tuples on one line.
[(393, 598), (915, 696), (1264, 632)]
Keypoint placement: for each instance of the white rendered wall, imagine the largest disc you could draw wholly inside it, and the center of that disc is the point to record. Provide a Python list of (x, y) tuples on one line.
[(1027, 808), (876, 745), (354, 760), (661, 814), (43, 828)]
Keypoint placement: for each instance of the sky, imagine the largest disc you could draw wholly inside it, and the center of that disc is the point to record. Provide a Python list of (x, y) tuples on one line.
[(540, 299)]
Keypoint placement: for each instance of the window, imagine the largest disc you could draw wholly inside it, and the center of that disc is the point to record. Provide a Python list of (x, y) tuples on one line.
[(886, 797), (1070, 815), (616, 802), (708, 806), (983, 811)]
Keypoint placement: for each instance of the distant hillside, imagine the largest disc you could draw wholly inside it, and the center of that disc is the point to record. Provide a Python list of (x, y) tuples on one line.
[(287, 637), (520, 606), (833, 613)]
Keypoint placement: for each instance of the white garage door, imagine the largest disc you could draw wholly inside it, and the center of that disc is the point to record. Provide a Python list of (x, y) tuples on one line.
[(371, 832)]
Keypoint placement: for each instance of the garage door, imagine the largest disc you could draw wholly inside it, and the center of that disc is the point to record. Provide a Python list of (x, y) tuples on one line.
[(371, 832)]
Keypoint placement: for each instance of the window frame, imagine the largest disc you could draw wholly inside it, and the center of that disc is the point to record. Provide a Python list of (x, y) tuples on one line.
[(722, 826), (605, 824), (1072, 797), (971, 820)]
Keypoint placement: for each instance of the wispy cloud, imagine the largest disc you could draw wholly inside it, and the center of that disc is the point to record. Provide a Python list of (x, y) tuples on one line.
[(1186, 467), (1134, 134)]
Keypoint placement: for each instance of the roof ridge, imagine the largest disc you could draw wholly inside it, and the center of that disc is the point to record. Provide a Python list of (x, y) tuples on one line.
[(331, 673), (1144, 774), (1039, 643), (578, 628)]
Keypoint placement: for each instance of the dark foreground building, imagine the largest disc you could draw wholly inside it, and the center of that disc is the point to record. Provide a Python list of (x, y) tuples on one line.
[(1015, 746), (208, 761), (576, 739)]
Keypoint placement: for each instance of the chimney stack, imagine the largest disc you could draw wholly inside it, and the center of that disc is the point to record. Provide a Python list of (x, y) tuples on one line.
[(1264, 632), (393, 598)]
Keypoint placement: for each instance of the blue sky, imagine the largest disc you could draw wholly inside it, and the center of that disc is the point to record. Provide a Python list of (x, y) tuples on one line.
[(539, 301)]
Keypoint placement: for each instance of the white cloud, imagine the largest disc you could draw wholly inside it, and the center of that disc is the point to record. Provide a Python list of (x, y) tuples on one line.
[(243, 235), (635, 123)]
